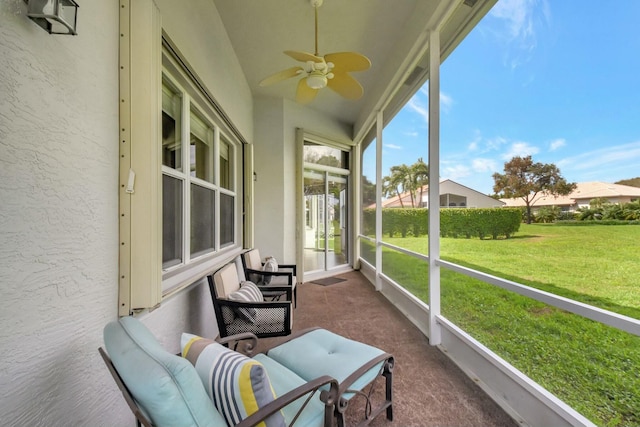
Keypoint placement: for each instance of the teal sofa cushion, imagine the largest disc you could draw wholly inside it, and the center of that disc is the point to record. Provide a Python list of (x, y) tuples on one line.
[(165, 386)]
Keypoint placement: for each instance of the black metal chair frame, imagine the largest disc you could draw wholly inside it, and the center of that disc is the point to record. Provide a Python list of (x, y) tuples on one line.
[(220, 304), (269, 289)]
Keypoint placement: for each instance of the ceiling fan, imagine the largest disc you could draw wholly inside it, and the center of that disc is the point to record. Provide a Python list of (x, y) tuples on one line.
[(331, 70)]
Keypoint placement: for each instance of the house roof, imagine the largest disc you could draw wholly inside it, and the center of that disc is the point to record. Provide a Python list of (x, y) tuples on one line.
[(584, 191), (394, 202), (394, 35)]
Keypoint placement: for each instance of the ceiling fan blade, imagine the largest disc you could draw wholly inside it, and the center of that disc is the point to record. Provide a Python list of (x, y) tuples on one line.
[(303, 56), (346, 86), (305, 94), (348, 61), (281, 75)]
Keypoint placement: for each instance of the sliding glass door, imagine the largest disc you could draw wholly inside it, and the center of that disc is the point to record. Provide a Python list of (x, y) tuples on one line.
[(325, 208)]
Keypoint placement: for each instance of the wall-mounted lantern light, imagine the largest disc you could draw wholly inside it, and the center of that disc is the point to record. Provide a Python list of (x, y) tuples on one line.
[(55, 16)]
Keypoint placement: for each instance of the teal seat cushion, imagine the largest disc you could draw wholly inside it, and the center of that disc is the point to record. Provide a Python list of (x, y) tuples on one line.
[(284, 380), (165, 386), (321, 352)]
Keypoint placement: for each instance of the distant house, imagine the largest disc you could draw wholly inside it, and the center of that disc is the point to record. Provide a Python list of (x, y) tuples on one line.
[(582, 195), (452, 195)]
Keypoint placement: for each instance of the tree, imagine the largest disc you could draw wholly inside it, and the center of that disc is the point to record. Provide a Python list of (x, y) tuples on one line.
[(529, 181), (368, 192), (632, 182), (396, 183), (420, 175), (406, 179)]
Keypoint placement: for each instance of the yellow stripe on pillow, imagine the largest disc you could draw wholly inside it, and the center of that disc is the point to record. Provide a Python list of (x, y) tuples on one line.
[(247, 393)]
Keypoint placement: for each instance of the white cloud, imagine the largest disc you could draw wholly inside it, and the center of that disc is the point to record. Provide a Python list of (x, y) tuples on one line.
[(419, 103), (520, 149), (455, 172), (393, 146), (416, 105), (412, 133), (473, 146), (495, 143), (517, 15), (604, 160), (519, 19), (557, 143), (446, 102), (484, 165)]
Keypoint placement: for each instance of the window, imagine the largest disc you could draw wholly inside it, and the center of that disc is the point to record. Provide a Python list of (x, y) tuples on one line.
[(198, 198), (180, 188)]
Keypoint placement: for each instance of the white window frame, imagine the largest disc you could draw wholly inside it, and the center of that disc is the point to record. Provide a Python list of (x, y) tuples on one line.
[(193, 267)]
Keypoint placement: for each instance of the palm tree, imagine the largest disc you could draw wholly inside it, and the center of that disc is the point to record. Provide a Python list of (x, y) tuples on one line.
[(420, 174), (403, 179), (395, 184)]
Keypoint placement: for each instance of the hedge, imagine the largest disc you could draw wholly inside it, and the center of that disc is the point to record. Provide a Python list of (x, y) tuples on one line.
[(467, 222)]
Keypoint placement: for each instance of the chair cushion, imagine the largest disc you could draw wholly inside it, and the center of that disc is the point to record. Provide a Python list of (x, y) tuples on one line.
[(284, 380), (226, 280), (252, 259), (237, 385), (165, 386), (239, 268), (248, 292), (321, 352)]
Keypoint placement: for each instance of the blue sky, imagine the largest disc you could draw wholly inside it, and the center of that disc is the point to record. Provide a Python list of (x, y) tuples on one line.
[(558, 80)]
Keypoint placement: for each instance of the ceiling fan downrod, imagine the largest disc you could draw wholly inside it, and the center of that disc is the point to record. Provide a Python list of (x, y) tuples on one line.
[(316, 4)]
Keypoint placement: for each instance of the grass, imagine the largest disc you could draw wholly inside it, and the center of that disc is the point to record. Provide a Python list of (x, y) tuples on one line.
[(592, 367)]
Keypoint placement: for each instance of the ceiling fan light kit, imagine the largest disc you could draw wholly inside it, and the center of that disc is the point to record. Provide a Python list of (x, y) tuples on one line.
[(317, 81), (331, 70)]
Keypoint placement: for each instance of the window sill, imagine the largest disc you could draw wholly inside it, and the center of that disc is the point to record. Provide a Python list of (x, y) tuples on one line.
[(176, 280)]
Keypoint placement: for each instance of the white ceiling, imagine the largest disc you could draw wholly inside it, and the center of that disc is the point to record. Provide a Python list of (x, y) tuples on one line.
[(388, 32)]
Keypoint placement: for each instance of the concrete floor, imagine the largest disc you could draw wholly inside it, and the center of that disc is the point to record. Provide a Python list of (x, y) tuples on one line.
[(429, 389)]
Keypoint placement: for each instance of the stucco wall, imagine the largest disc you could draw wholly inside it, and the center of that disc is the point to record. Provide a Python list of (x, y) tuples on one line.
[(275, 124), (197, 30), (59, 218), (59, 207)]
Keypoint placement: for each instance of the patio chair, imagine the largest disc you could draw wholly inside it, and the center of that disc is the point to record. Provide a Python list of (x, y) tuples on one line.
[(166, 390), (254, 269), (240, 307)]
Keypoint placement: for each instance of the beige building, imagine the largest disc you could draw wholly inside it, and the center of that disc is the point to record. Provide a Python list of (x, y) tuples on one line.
[(452, 195), (582, 195)]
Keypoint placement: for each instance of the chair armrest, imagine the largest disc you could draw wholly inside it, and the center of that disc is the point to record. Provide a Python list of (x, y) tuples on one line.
[(328, 397), (269, 273), (244, 343), (288, 274), (387, 366), (256, 305), (284, 289), (291, 266), (290, 337)]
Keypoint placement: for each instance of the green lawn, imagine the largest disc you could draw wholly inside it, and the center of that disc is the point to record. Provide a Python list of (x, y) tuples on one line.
[(592, 367)]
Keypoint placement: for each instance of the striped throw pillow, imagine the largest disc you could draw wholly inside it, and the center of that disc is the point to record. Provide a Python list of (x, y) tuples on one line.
[(237, 385), (248, 292)]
